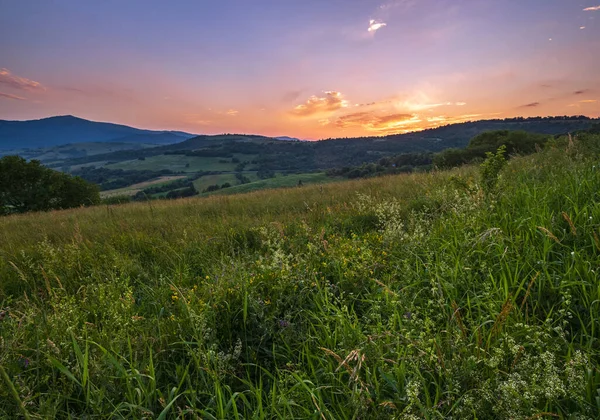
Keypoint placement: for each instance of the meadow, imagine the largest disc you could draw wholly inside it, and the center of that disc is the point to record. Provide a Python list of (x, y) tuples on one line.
[(468, 293), (181, 163)]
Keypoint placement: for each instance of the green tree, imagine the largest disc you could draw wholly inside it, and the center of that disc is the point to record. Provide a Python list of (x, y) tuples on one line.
[(30, 186)]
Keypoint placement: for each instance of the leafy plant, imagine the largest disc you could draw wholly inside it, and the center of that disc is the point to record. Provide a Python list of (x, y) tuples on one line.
[(490, 168)]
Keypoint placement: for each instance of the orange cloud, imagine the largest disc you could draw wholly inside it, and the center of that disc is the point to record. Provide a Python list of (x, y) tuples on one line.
[(233, 112), (16, 82), (331, 102), (421, 101), (372, 122), (9, 96)]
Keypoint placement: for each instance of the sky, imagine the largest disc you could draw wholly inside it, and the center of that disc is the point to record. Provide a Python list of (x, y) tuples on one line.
[(310, 69)]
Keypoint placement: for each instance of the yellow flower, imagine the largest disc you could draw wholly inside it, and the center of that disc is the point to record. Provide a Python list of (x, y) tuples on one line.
[(172, 317), (174, 298)]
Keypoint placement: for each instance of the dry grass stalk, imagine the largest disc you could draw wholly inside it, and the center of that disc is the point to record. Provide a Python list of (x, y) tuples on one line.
[(539, 415), (529, 290), (387, 289), (502, 316), (549, 234), (570, 222), (597, 240), (456, 315)]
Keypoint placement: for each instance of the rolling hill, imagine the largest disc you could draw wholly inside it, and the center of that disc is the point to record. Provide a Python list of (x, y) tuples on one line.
[(67, 129)]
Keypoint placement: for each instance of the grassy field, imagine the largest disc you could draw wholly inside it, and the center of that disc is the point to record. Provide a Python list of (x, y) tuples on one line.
[(135, 188), (414, 296), (220, 179), (280, 181), (180, 162)]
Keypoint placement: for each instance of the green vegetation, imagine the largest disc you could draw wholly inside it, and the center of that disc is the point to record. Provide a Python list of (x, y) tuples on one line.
[(251, 157), (29, 186), (409, 296), (280, 181), (177, 163), (514, 142), (54, 156), (403, 163)]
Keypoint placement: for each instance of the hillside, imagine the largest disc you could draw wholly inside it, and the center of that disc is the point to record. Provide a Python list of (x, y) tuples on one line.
[(434, 295), (325, 154), (67, 129), (237, 159)]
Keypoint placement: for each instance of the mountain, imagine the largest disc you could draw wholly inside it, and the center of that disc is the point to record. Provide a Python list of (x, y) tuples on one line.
[(68, 129), (286, 138)]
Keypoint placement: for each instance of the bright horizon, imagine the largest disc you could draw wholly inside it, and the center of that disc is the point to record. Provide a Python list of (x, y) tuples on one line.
[(306, 69)]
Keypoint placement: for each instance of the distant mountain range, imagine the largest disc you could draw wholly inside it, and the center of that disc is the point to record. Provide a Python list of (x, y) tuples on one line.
[(54, 131), (69, 140)]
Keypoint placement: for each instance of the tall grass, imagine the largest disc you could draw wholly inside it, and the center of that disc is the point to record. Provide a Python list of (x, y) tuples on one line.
[(415, 296)]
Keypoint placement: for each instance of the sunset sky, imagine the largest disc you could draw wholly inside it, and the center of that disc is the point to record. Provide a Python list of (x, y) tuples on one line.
[(304, 68)]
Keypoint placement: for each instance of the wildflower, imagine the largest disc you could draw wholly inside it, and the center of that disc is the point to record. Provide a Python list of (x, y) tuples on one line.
[(175, 298), (267, 301), (24, 362), (172, 317), (283, 323)]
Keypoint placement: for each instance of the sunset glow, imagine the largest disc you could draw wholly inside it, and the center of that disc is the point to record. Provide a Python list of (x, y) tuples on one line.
[(303, 69)]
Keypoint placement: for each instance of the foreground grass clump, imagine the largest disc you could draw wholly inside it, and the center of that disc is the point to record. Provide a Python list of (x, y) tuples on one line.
[(415, 296)]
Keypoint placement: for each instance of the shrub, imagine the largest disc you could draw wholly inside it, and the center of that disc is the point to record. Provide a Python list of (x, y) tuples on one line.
[(491, 167)]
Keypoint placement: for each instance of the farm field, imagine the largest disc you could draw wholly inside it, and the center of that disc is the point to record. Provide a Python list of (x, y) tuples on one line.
[(135, 188), (280, 181), (179, 163), (467, 293)]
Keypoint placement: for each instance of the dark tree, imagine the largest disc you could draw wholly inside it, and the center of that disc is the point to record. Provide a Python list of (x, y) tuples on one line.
[(30, 186)]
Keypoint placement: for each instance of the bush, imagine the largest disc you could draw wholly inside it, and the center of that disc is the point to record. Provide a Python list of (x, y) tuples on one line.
[(491, 167), (30, 186)]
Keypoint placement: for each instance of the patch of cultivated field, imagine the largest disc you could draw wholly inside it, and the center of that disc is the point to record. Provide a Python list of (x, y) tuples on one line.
[(135, 188), (183, 163)]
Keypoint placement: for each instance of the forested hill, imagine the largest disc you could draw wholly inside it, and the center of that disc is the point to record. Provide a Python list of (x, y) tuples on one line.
[(308, 156)]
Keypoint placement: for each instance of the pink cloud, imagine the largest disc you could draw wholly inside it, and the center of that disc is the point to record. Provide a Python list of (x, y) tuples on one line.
[(16, 82)]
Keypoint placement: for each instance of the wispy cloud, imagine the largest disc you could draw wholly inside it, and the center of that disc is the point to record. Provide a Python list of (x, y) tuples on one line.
[(583, 102), (424, 105), (291, 95), (332, 101), (232, 112), (531, 105), (374, 26), (591, 9), (9, 96), (581, 92), (16, 82)]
